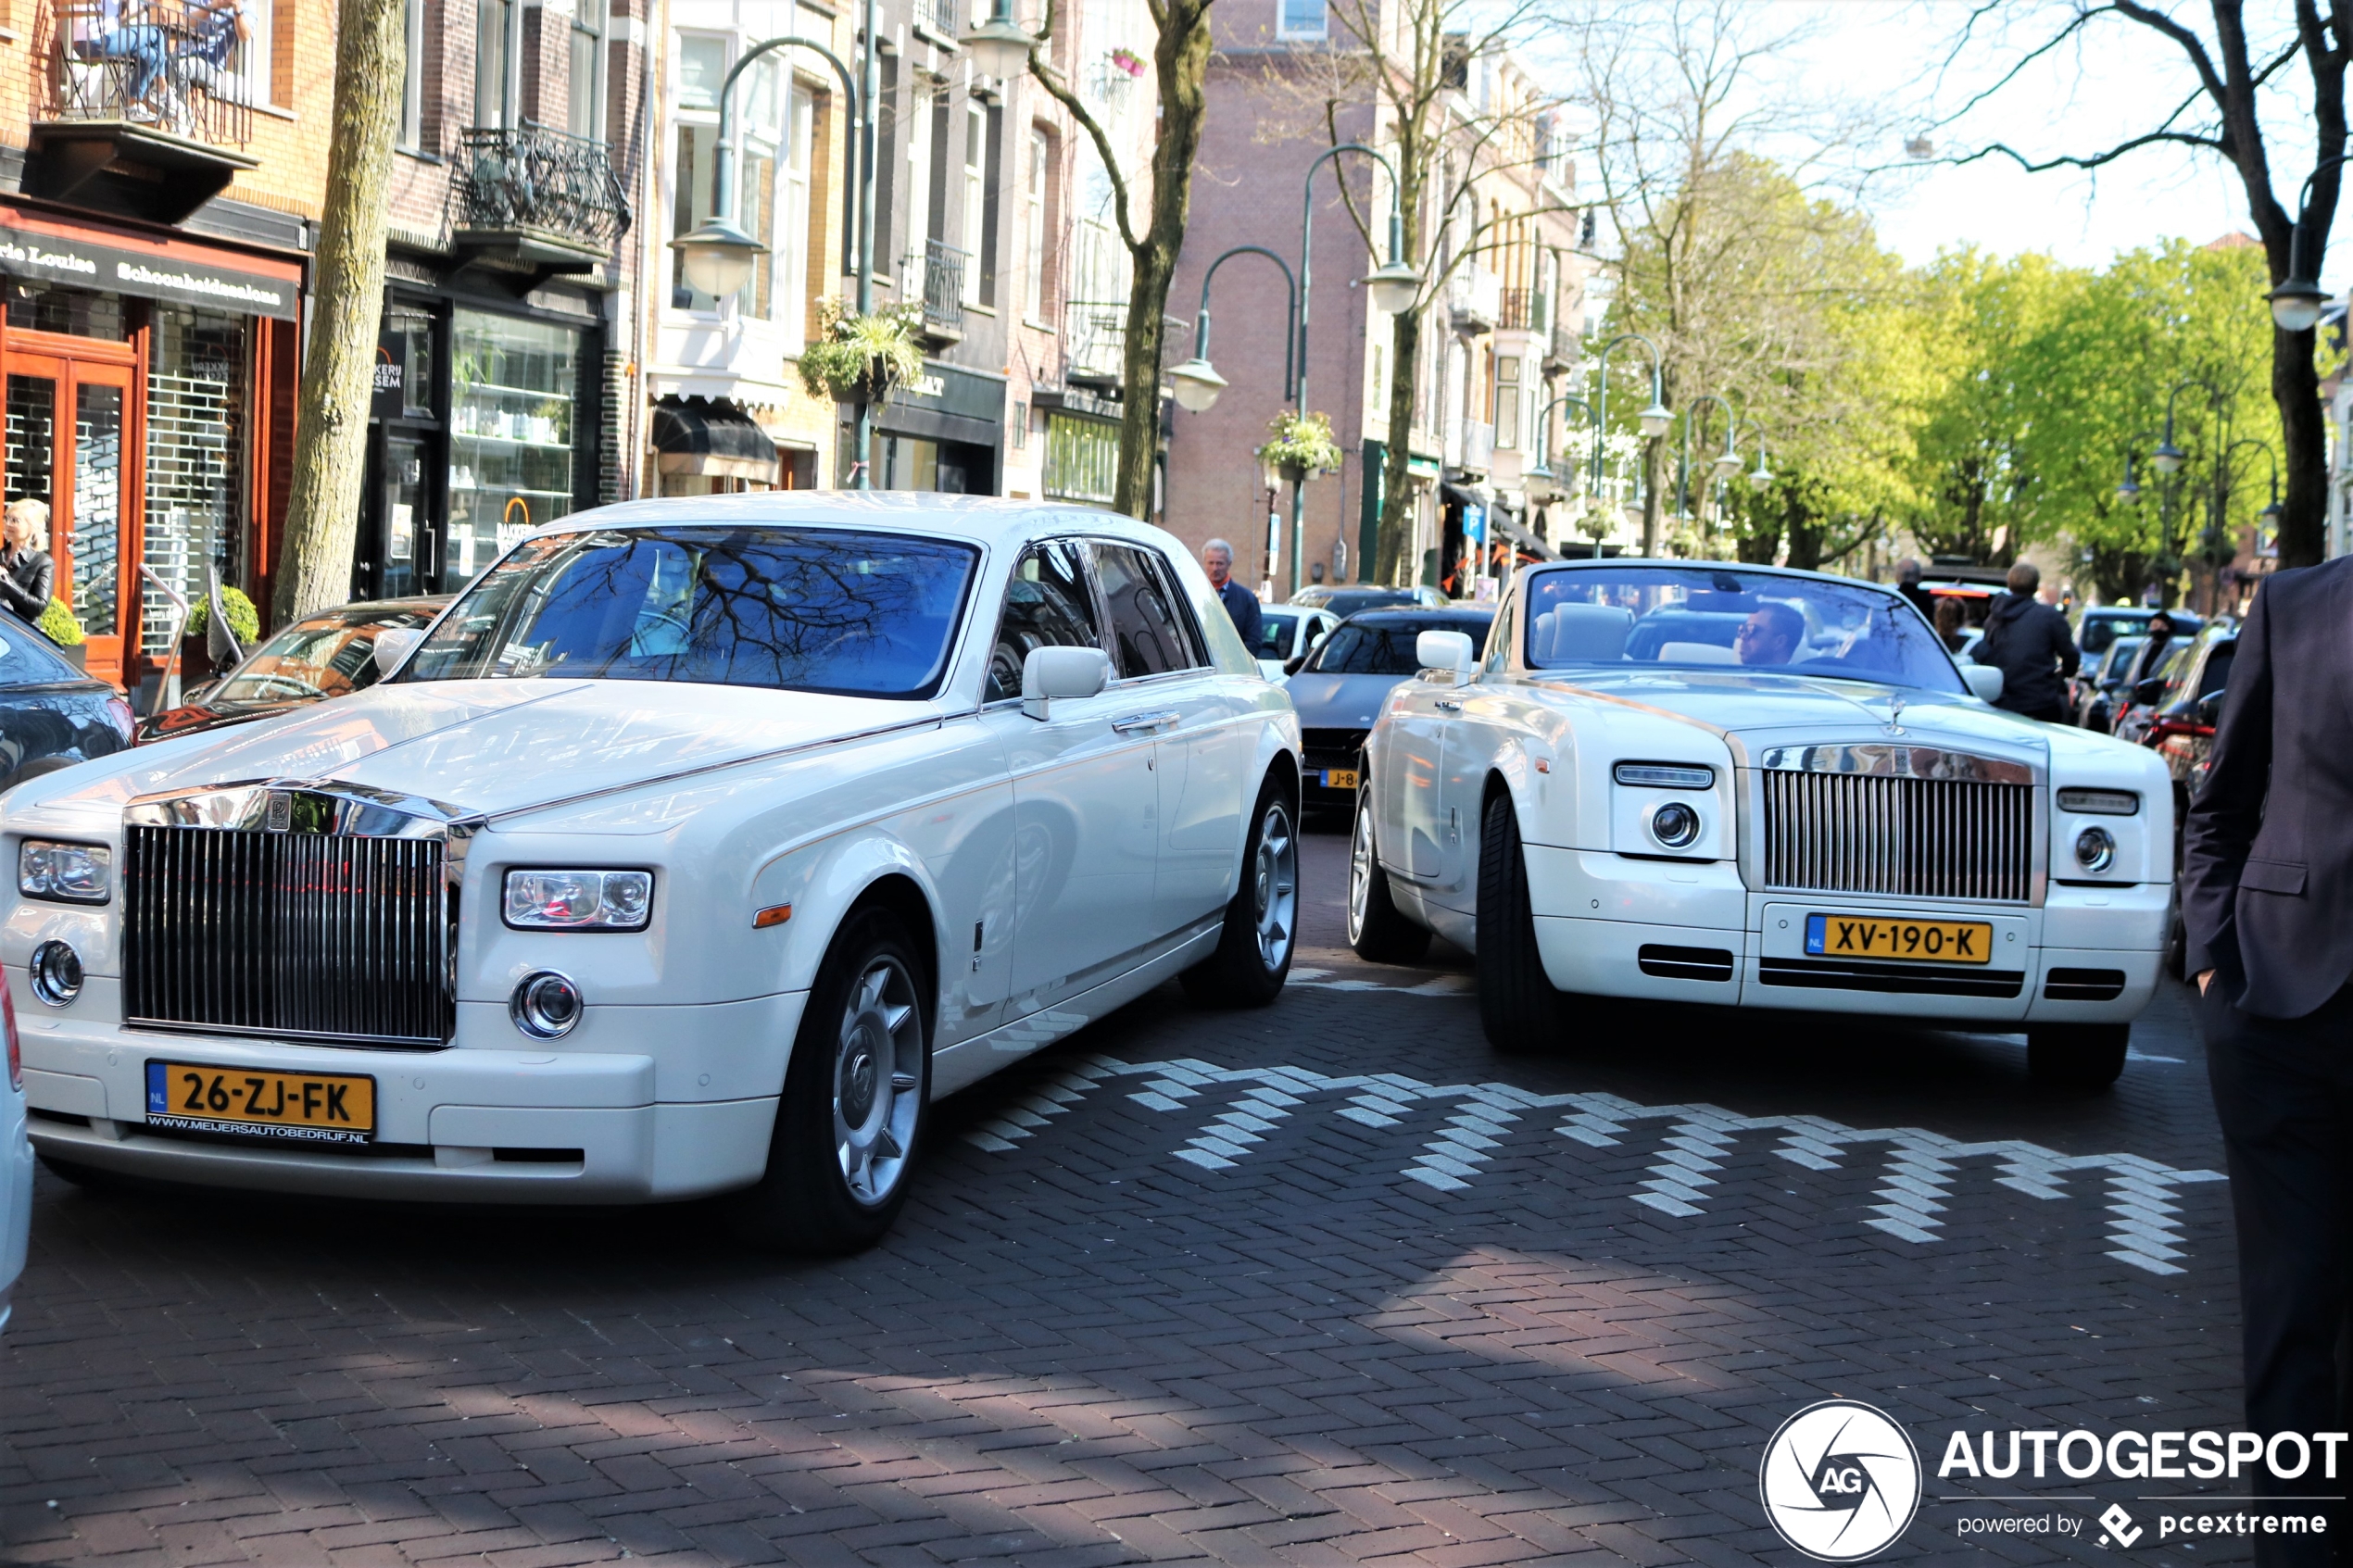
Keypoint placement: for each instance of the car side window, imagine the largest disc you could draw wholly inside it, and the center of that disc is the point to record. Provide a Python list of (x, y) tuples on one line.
[(1149, 632), (1499, 639), (1047, 606), (26, 660)]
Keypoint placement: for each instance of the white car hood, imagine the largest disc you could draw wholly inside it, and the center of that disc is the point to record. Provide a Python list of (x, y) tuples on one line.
[(1773, 707), (487, 747)]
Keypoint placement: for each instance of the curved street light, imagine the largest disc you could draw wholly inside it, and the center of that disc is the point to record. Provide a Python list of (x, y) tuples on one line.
[(1653, 420), (1727, 462), (1198, 382), (998, 47), (2298, 300)]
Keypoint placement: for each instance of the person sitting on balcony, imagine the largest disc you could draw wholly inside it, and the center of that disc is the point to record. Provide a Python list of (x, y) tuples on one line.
[(107, 32), (216, 28)]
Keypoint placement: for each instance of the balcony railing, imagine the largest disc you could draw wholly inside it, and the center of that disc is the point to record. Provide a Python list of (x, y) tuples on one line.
[(177, 68), (1095, 341), (542, 181), (1563, 352), (935, 278), (1478, 448), (1475, 297)]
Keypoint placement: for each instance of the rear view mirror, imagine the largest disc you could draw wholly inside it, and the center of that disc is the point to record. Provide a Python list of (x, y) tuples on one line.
[(393, 645), (1444, 653), (1048, 674), (2148, 690), (1984, 682), (2209, 709)]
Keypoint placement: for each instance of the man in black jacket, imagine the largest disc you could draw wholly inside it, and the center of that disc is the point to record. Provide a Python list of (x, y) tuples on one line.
[(2267, 904), (2029, 643), (27, 575)]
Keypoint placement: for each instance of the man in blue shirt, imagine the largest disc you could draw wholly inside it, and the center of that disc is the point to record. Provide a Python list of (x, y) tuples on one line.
[(1242, 605)]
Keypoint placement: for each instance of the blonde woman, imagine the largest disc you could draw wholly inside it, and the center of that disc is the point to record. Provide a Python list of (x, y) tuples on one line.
[(27, 575)]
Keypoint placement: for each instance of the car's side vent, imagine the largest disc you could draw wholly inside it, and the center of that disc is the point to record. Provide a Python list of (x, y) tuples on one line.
[(1684, 963), (2083, 986)]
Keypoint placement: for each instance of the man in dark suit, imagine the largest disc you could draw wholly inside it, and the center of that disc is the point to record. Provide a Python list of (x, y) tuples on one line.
[(1242, 605), (2266, 900)]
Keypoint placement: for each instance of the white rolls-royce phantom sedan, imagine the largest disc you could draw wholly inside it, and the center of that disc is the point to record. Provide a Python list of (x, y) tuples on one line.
[(1765, 788), (693, 850)]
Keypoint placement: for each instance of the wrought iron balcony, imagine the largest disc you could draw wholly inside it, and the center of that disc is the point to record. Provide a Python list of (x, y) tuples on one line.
[(138, 103), (1095, 342), (936, 278), (544, 200), (1563, 353)]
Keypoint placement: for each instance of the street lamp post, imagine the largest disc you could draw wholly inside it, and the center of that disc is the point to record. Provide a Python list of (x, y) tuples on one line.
[(1654, 422), (2296, 304), (2218, 525), (1727, 462), (1391, 287), (719, 256), (1197, 382), (1540, 480)]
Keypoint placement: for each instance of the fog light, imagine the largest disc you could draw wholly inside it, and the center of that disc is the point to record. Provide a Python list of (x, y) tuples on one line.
[(56, 973), (546, 1004), (2096, 849), (1676, 825)]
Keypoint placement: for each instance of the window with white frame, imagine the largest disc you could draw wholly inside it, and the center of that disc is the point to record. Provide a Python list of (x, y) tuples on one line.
[(975, 194), (412, 83), (1302, 19), (1507, 400), (584, 109), (491, 22), (1041, 166)]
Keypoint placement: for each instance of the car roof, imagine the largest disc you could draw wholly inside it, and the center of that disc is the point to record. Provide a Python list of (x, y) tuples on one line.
[(1612, 562), (982, 519)]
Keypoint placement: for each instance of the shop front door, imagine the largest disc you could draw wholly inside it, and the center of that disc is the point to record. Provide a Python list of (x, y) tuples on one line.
[(69, 430)]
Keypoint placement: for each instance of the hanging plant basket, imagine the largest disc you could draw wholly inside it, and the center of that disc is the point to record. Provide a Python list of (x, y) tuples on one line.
[(1301, 446), (862, 358)]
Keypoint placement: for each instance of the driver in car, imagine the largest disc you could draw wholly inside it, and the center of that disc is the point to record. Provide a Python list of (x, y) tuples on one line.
[(1771, 635)]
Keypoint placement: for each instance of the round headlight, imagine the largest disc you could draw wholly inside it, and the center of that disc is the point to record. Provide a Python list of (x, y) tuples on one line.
[(56, 973), (2096, 849), (546, 1004), (1676, 825)]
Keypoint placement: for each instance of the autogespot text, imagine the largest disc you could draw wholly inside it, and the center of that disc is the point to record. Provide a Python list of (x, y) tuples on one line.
[(2133, 1456)]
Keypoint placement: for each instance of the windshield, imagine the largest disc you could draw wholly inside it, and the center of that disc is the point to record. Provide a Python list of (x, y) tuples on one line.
[(1704, 617), (799, 610), (1386, 647), (325, 655)]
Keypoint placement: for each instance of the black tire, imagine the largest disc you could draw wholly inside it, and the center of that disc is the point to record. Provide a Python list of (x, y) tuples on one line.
[(1254, 948), (851, 1045), (1517, 1005), (2076, 1056), (1377, 928)]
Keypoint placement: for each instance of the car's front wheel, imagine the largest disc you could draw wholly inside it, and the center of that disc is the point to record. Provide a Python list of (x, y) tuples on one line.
[(1377, 928), (2077, 1056), (1516, 1003), (1253, 960), (855, 1103)]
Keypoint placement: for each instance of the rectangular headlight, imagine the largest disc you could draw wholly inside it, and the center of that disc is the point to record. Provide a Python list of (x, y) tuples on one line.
[(566, 900), (1665, 775), (69, 874), (2100, 802)]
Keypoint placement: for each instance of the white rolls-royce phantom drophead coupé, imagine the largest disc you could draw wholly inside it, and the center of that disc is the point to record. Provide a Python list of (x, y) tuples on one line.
[(693, 850), (1761, 788)]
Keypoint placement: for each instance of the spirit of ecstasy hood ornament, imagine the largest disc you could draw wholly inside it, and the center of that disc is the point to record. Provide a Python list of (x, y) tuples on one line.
[(1895, 713)]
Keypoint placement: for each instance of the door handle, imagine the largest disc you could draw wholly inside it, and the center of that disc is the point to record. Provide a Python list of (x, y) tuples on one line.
[(1145, 723), (1449, 705)]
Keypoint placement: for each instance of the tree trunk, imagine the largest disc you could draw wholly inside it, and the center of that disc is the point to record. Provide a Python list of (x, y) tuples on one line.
[(1396, 527), (1181, 56), (2304, 509), (330, 427)]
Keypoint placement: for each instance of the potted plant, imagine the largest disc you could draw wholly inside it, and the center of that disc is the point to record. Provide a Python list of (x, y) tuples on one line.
[(859, 358), (1299, 447), (244, 624), (57, 624)]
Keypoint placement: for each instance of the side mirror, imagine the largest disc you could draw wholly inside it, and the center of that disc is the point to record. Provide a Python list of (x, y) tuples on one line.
[(2147, 690), (1446, 654), (393, 645), (1984, 682), (1048, 674), (2209, 709), (1291, 666)]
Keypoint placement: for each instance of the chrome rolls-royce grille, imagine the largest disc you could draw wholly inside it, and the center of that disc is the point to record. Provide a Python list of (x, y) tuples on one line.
[(1910, 821), (295, 936)]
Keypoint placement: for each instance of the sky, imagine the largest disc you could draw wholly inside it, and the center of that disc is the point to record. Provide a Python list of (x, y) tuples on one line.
[(1889, 50)]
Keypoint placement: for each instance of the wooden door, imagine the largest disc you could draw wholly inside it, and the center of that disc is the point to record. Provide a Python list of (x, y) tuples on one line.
[(71, 443)]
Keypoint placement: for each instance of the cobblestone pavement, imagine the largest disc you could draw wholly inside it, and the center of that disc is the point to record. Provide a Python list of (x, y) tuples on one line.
[(1332, 1282)]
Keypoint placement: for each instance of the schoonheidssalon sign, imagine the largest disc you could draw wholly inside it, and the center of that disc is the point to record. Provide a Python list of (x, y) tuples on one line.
[(102, 269)]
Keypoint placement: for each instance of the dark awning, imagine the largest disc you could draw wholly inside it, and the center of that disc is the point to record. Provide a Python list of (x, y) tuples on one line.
[(698, 436)]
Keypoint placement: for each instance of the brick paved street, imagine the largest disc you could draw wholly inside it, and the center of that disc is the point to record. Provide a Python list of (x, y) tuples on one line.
[(1332, 1282)]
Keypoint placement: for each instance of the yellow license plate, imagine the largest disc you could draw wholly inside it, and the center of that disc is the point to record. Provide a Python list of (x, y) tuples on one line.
[(304, 1107), (1917, 941), (1339, 778)]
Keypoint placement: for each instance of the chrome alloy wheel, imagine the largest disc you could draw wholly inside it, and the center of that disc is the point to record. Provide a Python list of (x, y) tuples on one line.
[(1360, 872), (877, 1081), (1275, 887)]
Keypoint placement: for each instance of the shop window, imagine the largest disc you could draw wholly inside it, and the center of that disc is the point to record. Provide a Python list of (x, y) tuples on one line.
[(512, 389), (1082, 459), (33, 436), (72, 312), (96, 547), (195, 472)]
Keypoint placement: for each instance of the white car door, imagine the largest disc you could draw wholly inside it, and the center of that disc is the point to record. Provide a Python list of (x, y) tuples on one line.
[(1412, 821), (1206, 728)]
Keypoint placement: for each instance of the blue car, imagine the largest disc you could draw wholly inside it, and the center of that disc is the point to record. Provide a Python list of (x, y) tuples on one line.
[(1338, 692)]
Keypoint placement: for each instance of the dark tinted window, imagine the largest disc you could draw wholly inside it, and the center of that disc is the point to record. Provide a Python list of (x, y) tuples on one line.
[(1148, 631), (1047, 606), (1386, 647), (1274, 629), (26, 658), (2218, 669), (800, 609)]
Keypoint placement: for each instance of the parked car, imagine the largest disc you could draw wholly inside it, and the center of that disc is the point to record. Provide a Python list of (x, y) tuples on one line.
[(2144, 681), (2092, 694), (2184, 705), (2102, 624), (51, 714), (1288, 633), (694, 850), (1345, 602), (1660, 783), (16, 1166), (1338, 693), (328, 654)]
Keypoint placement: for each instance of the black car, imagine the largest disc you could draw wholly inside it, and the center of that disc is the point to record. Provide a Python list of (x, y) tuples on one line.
[(1340, 690), (327, 654), (51, 714), (2093, 689)]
